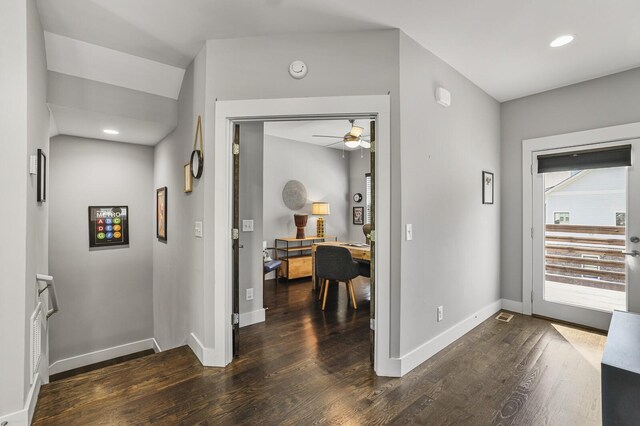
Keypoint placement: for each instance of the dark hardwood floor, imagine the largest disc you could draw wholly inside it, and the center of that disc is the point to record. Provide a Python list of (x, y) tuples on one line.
[(304, 367)]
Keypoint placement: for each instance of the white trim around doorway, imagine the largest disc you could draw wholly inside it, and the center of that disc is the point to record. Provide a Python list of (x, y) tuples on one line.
[(218, 204), (530, 148)]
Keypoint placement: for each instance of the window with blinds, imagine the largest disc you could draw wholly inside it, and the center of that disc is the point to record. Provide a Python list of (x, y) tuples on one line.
[(367, 179)]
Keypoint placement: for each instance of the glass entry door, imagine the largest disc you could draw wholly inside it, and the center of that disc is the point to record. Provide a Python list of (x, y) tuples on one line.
[(584, 236)]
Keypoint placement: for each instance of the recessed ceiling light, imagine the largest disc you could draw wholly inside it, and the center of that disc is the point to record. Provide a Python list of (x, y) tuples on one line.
[(562, 40), (111, 132)]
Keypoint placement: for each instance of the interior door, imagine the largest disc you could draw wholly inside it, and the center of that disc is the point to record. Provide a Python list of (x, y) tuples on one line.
[(586, 220), (235, 237), (372, 305)]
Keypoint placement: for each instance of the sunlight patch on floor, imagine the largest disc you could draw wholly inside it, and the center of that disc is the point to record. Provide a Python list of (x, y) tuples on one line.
[(589, 345)]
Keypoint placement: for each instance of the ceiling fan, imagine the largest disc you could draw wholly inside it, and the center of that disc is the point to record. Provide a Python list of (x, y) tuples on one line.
[(352, 139)]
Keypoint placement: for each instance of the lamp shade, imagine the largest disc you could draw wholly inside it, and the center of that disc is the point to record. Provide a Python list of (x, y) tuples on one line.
[(320, 208)]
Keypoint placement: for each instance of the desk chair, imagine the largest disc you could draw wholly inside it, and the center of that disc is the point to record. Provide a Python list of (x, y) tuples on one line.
[(336, 264), (270, 266)]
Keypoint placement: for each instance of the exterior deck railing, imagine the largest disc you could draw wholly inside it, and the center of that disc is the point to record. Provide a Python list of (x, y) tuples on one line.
[(590, 256)]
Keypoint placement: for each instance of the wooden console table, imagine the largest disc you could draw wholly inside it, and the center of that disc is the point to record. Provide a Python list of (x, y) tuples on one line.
[(296, 255)]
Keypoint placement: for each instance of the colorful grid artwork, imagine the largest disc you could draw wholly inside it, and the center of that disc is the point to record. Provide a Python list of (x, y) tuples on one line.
[(108, 226)]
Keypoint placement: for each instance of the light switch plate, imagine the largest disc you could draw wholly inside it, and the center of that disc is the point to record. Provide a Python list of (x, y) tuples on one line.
[(247, 225), (198, 229), (440, 313), (249, 294), (409, 232)]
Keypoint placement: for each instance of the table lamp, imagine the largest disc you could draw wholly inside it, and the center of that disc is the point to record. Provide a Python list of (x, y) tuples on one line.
[(319, 209)]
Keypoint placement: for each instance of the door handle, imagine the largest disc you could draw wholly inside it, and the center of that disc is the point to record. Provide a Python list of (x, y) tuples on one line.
[(633, 253)]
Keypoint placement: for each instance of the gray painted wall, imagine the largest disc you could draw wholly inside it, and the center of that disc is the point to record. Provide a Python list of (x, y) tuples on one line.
[(24, 120), (105, 294), (255, 68), (37, 213), (325, 175), (602, 102), (13, 187), (453, 259), (359, 166), (251, 187), (178, 287)]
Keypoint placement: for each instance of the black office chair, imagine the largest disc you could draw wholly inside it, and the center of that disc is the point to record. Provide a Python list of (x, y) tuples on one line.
[(336, 264)]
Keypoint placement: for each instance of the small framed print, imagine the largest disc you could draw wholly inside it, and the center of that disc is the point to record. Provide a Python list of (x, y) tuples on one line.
[(42, 177), (487, 188), (161, 213), (188, 178), (108, 226), (358, 215)]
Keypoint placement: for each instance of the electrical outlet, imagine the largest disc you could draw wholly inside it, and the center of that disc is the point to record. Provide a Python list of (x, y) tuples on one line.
[(247, 226), (249, 294), (198, 229), (440, 313)]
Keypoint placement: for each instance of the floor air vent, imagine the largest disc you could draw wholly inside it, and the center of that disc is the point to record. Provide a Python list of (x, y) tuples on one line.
[(36, 340), (504, 317)]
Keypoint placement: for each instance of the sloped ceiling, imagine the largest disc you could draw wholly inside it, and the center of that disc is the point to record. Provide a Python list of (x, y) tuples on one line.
[(501, 45)]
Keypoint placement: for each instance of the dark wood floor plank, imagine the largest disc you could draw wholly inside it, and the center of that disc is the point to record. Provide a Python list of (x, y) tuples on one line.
[(308, 366)]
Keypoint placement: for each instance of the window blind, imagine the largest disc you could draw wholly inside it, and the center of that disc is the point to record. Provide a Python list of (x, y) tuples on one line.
[(618, 156)]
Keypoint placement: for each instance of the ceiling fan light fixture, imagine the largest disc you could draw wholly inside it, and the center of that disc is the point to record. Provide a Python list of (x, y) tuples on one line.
[(352, 143), (356, 131)]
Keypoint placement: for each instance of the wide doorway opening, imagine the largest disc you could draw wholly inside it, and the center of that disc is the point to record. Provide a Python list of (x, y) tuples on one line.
[(303, 221)]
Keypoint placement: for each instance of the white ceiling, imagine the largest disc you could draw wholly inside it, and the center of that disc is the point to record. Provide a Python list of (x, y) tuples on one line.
[(86, 123), (501, 45), (302, 131)]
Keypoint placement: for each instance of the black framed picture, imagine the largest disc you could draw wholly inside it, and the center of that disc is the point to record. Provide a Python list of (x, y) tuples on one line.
[(108, 226), (358, 215), (161, 213), (487, 188), (42, 177)]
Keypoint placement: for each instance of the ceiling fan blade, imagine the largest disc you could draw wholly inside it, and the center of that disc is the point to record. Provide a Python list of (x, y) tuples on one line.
[(327, 136), (365, 144), (332, 144)]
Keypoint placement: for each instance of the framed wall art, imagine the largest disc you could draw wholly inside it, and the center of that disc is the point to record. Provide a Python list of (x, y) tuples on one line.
[(42, 177), (188, 178), (161, 213), (108, 226), (358, 215), (487, 188)]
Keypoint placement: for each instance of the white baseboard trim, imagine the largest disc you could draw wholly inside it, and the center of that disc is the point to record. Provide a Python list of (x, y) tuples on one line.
[(208, 357), (512, 305), (24, 416), (254, 317), (419, 355), (101, 355), (156, 346)]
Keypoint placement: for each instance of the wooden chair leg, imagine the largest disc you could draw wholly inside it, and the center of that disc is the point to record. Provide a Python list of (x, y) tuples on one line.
[(322, 284), (326, 291), (353, 294)]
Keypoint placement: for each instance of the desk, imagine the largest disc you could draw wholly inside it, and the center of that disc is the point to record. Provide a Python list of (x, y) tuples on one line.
[(358, 253)]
